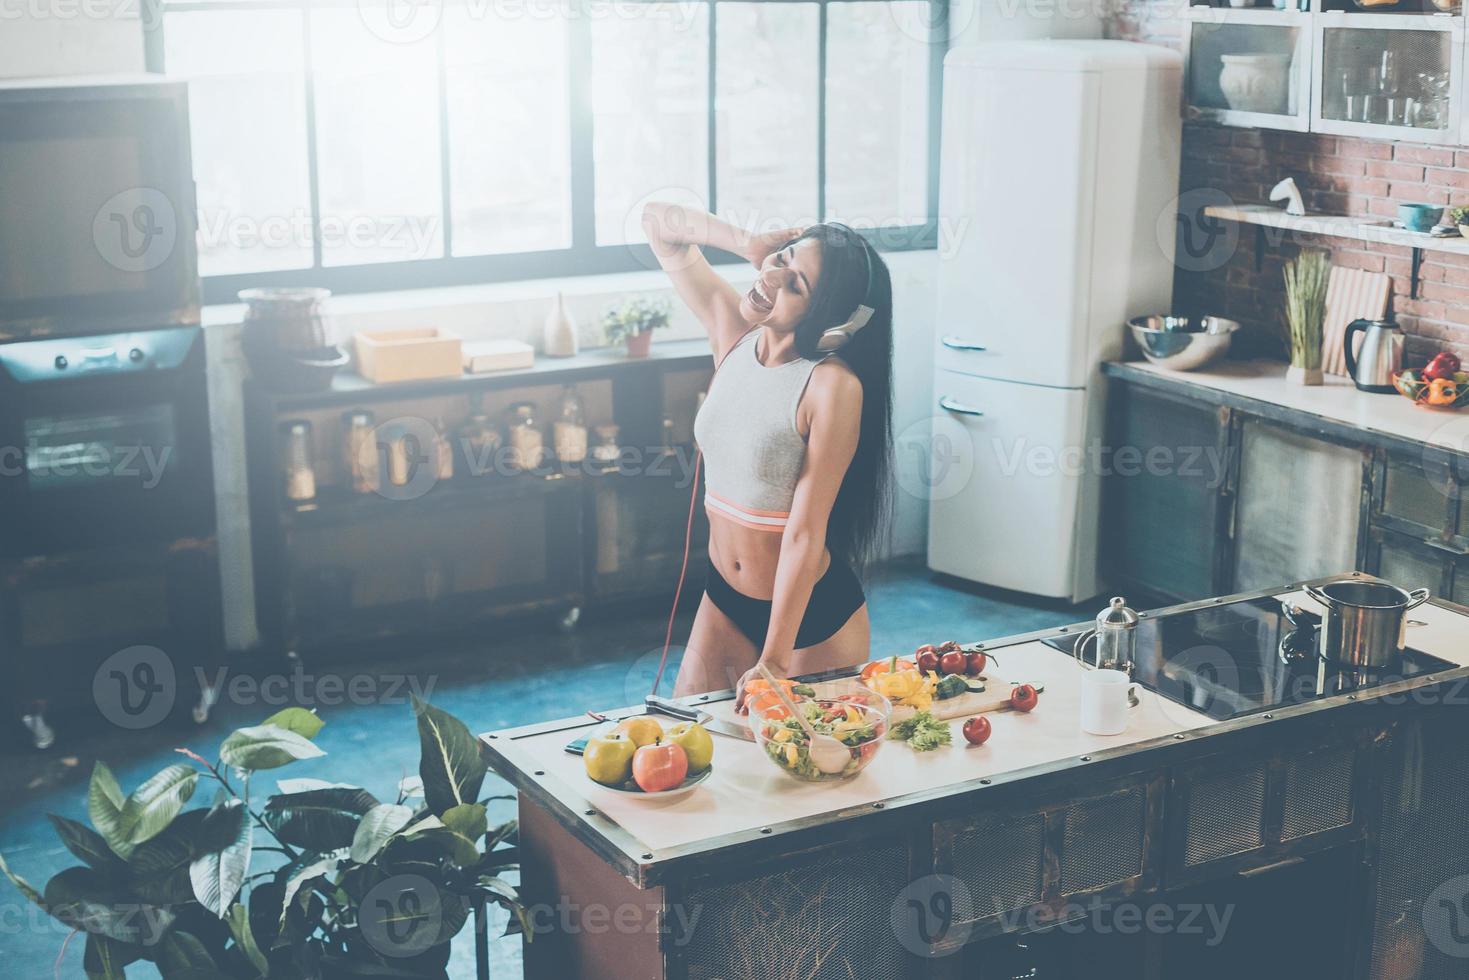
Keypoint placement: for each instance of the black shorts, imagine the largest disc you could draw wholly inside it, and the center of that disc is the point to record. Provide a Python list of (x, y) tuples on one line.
[(834, 598)]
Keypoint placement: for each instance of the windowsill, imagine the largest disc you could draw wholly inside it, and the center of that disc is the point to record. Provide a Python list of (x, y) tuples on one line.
[(518, 309)]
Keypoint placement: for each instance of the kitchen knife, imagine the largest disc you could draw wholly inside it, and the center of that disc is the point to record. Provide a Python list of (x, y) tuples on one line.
[(675, 709)]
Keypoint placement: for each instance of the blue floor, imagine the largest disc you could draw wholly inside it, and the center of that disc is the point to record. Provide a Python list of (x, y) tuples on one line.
[(530, 676)]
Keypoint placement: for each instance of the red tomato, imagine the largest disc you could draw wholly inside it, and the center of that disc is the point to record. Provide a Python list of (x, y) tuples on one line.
[(1023, 697), (928, 660), (953, 662), (926, 648), (976, 662), (948, 646), (977, 730)]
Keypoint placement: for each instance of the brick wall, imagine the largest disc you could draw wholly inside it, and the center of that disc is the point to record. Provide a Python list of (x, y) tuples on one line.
[(1337, 175)]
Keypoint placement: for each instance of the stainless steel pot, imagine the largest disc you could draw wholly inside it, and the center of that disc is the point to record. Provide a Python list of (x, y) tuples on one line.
[(1366, 622)]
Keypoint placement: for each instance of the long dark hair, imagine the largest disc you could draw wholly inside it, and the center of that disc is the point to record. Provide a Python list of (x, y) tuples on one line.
[(859, 518)]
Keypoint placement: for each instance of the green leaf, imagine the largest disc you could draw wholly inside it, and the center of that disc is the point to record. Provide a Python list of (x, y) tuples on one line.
[(105, 959), (378, 824), (104, 809), (84, 899), (171, 849), (505, 833), (458, 848), (265, 747), (153, 805), (303, 783), (217, 875), (238, 920), (85, 843), (181, 952), (304, 723), (467, 820), (316, 869), (500, 888), (450, 763), (23, 886), (319, 819)]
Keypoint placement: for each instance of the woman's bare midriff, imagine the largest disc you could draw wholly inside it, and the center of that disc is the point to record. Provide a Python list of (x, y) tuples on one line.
[(747, 559)]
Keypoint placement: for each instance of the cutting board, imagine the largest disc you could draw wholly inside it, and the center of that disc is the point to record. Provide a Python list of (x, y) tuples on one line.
[(1351, 294), (995, 697)]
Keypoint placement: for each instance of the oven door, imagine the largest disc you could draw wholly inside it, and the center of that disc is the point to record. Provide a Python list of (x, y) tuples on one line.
[(104, 441)]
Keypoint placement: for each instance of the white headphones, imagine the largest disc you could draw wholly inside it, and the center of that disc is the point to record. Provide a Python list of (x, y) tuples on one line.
[(840, 335)]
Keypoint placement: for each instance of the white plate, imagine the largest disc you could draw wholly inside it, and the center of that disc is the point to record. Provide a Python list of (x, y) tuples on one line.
[(687, 786)]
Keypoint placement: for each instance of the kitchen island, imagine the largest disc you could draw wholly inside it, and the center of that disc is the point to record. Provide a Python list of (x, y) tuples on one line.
[(1241, 811)]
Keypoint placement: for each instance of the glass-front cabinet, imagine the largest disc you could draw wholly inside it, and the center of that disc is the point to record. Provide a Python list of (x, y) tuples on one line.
[(1253, 69), (1385, 76), (1377, 69)]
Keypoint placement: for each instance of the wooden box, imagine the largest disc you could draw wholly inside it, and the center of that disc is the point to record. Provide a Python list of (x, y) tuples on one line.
[(412, 354)]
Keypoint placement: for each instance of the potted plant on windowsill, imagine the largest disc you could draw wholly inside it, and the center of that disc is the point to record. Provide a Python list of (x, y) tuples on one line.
[(351, 887), (634, 322), (1459, 218)]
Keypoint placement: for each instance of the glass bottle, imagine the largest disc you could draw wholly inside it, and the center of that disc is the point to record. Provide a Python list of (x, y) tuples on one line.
[(443, 451), (527, 444), (478, 439), (570, 431), (360, 448), (606, 451), (296, 460)]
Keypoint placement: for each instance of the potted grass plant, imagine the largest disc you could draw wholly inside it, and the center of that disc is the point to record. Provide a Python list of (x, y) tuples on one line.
[(1305, 313), (634, 322)]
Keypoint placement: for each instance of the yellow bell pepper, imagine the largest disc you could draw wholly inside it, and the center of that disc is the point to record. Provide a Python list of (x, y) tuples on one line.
[(1442, 391)]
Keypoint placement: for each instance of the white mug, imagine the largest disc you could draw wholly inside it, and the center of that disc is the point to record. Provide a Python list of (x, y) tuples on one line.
[(1105, 698)]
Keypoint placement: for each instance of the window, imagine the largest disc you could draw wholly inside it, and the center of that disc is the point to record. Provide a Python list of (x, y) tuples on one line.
[(395, 143)]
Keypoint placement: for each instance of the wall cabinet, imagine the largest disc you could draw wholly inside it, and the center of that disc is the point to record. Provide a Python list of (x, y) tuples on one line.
[(1331, 68)]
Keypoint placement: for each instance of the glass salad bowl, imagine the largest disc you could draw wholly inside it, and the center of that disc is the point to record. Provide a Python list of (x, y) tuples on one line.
[(859, 721)]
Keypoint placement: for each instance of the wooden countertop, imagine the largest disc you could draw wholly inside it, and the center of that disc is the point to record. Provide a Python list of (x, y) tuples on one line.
[(748, 798), (1261, 386)]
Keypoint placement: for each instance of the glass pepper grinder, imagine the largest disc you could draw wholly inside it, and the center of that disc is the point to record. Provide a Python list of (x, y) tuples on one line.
[(1116, 639)]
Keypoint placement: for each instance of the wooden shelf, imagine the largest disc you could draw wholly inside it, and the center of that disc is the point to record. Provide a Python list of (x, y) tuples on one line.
[(1380, 231)]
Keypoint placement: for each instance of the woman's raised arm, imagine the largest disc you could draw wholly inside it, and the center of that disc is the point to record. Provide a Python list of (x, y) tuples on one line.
[(675, 233)]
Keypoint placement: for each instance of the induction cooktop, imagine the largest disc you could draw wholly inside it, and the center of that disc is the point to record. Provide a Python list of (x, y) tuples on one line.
[(1239, 658)]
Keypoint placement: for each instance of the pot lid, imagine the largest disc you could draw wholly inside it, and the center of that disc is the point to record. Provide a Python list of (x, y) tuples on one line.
[(1117, 615)]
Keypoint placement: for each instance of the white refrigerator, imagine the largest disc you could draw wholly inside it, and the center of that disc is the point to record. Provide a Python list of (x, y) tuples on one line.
[(1057, 203)]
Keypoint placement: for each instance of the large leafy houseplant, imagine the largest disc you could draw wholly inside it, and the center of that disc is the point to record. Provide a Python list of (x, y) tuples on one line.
[(356, 887)]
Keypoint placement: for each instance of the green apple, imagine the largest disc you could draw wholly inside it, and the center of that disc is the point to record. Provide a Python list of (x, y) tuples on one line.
[(696, 743), (608, 758)]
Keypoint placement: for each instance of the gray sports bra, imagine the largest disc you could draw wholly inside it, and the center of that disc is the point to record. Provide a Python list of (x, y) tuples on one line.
[(747, 432)]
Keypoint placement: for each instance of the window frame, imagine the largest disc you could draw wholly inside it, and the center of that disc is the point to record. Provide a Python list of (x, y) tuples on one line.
[(584, 256)]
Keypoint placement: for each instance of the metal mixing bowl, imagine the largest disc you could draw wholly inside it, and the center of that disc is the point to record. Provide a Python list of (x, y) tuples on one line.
[(1182, 343)]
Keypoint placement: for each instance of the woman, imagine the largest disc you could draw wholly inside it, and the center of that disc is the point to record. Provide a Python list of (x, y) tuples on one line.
[(796, 439)]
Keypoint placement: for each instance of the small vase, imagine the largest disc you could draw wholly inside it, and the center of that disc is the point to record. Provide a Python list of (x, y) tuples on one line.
[(1303, 375), (639, 344), (560, 337)]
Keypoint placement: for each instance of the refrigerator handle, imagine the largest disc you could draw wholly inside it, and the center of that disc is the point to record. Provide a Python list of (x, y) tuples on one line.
[(958, 343), (949, 405)]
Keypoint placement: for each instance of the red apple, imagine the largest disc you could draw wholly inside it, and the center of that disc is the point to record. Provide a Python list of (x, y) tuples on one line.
[(660, 766), (1443, 365), (977, 730)]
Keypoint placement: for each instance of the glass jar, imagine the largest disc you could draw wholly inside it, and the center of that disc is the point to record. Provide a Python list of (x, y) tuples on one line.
[(606, 451), (296, 460), (527, 444), (360, 451), (570, 431), (478, 439)]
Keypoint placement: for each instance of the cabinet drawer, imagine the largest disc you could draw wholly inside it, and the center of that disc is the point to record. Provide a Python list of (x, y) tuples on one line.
[(1416, 496), (1100, 843)]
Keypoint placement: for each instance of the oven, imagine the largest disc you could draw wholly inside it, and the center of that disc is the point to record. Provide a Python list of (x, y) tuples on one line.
[(107, 513)]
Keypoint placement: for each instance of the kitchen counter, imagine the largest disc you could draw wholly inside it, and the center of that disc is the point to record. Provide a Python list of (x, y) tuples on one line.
[(1336, 406), (752, 828)]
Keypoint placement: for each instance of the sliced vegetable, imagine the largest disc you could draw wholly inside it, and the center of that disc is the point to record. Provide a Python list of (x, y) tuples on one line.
[(923, 732), (950, 687)]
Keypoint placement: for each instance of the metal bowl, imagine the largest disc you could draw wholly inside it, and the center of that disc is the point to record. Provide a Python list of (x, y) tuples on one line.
[(1182, 343)]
